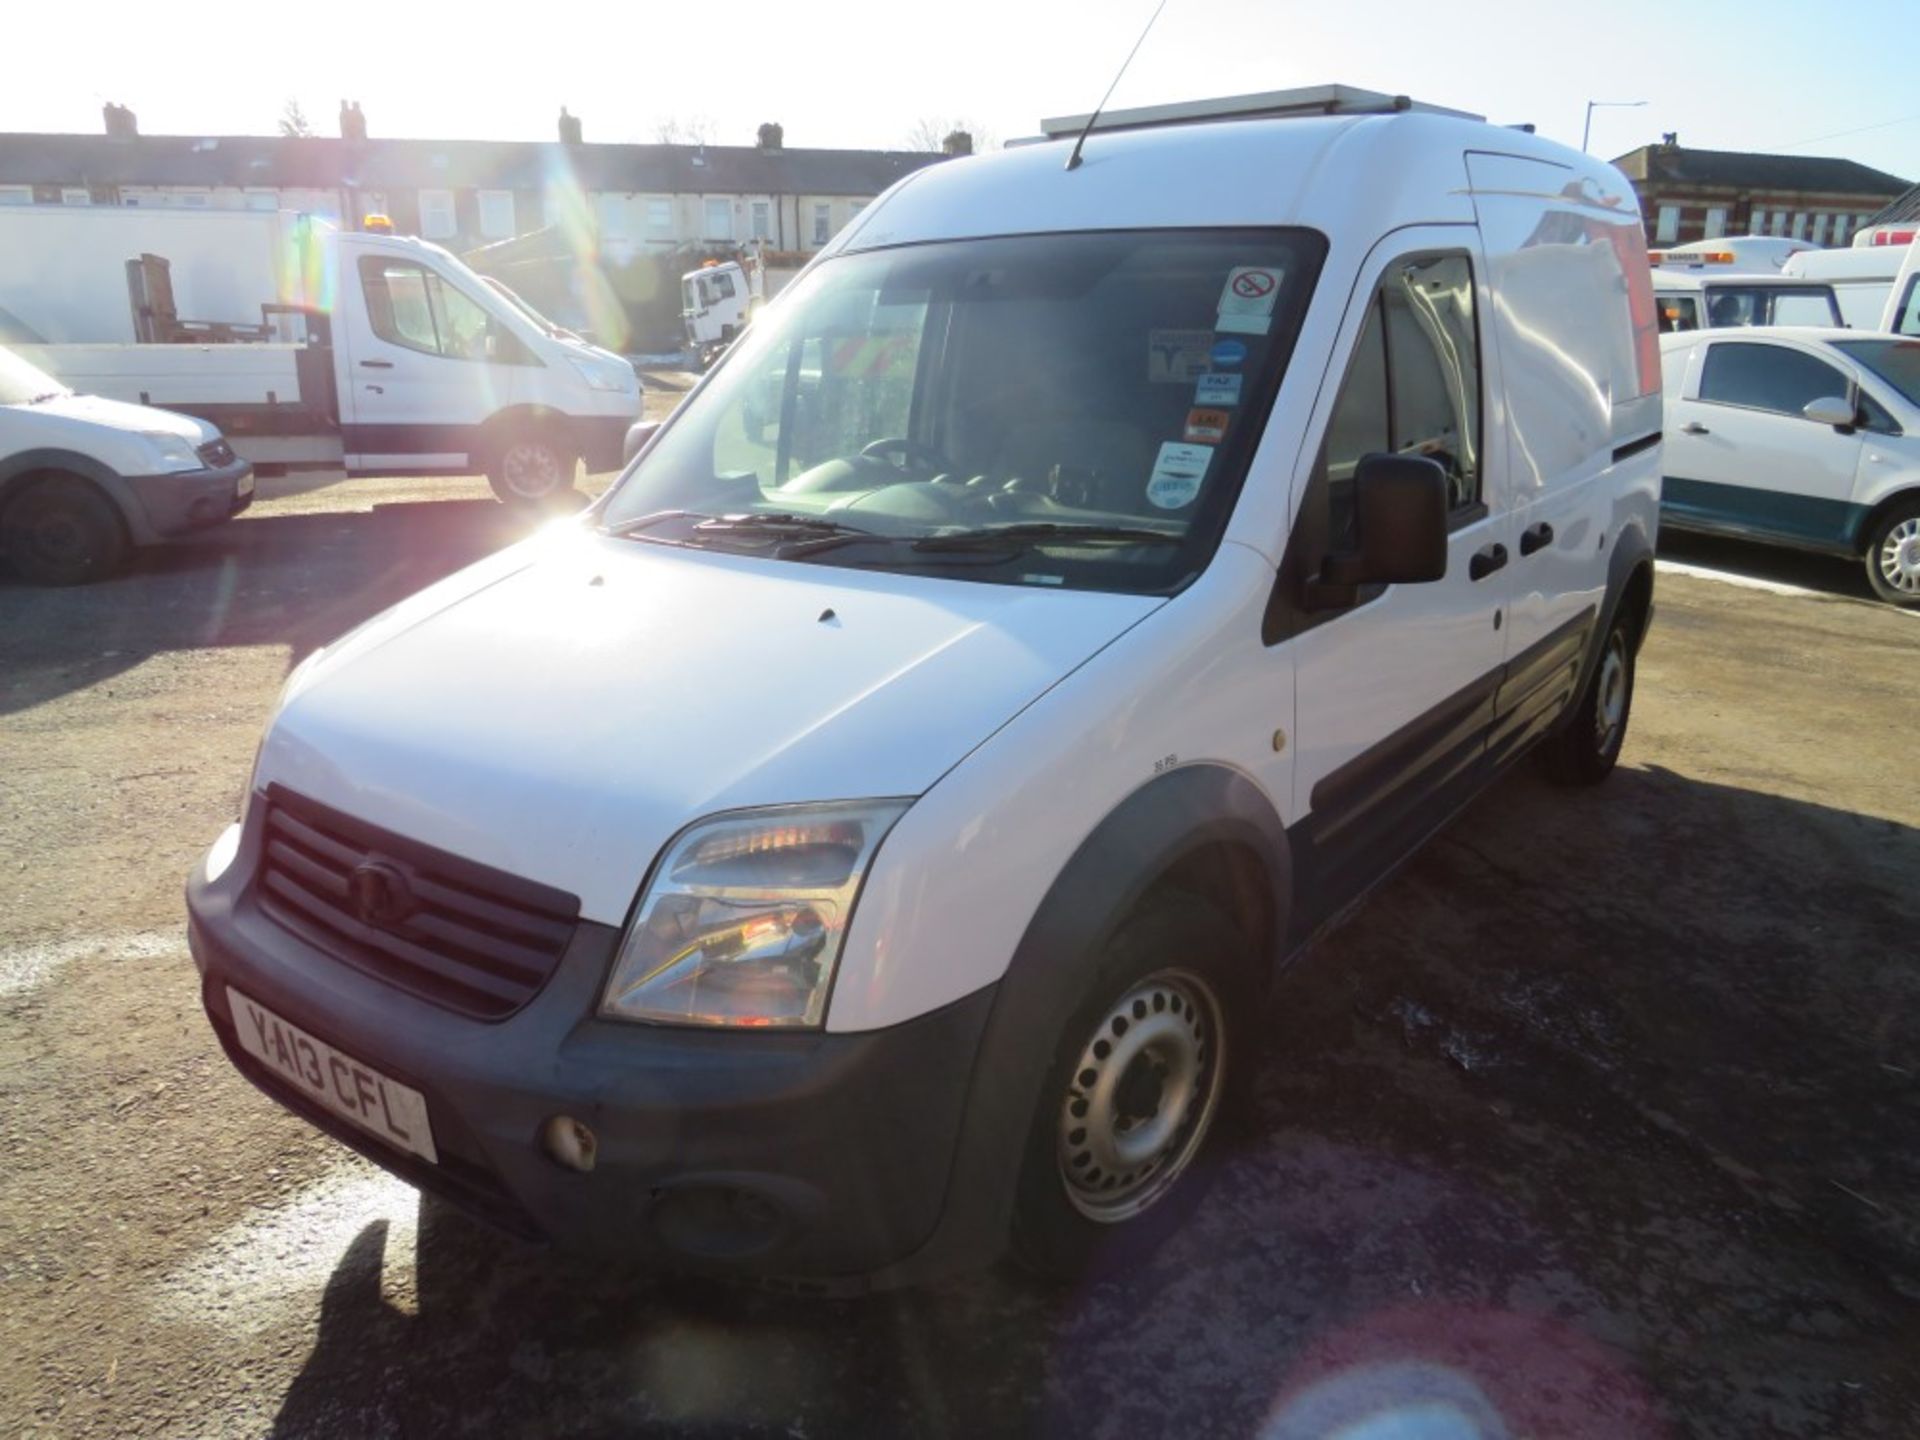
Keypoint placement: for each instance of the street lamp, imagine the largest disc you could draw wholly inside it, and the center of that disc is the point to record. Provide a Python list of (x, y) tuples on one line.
[(1586, 130)]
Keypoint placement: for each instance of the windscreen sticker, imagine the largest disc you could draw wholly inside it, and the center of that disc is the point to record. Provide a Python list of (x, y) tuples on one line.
[(1246, 302), (1177, 356), (1207, 427), (1177, 474), (1217, 390), (1227, 353)]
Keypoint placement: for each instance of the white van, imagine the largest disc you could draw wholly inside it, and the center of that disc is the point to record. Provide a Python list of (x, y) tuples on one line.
[(1902, 315), (406, 361), (1694, 301), (866, 840), (716, 302), (1862, 279)]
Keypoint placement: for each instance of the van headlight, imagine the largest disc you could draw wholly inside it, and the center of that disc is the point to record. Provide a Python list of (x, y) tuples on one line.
[(601, 376), (173, 453), (744, 920)]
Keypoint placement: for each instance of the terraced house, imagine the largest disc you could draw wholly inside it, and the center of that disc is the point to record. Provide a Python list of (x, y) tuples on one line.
[(465, 193)]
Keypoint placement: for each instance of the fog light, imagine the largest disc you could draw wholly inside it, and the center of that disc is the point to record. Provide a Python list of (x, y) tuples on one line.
[(570, 1143)]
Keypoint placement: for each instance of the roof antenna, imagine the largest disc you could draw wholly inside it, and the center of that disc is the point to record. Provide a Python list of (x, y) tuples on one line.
[(1073, 160)]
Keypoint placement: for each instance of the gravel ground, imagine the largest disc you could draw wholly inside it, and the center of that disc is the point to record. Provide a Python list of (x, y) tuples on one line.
[(1601, 1119)]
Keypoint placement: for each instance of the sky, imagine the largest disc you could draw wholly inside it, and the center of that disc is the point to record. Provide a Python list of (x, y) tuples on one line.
[(1747, 76)]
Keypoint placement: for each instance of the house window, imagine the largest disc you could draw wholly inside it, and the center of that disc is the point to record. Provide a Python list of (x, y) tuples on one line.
[(1716, 222), (262, 200), (76, 195), (436, 215), (194, 200), (1779, 222), (1820, 228), (1757, 225), (822, 224), (496, 214), (1668, 229), (16, 194), (613, 216), (1842, 228), (719, 220), (762, 220), (1799, 224), (660, 219)]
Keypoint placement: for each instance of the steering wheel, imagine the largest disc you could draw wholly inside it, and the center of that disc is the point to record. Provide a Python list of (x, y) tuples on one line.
[(907, 450)]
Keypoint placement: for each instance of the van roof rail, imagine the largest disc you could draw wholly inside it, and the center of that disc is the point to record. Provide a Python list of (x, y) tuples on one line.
[(1309, 100)]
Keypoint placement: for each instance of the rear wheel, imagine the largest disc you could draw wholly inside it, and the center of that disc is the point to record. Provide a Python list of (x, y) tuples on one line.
[(531, 468), (1893, 555), (1585, 749), (62, 531), (1139, 1086)]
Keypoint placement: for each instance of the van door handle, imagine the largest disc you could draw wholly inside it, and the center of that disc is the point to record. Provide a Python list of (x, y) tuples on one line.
[(1486, 561), (1694, 427), (378, 364), (376, 389), (1536, 537)]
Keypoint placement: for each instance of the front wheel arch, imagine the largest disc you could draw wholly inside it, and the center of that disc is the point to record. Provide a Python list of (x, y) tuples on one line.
[(1201, 820)]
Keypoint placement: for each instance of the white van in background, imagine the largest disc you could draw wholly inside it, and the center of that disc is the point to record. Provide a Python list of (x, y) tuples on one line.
[(398, 358), (1902, 316), (1692, 300), (1862, 279), (866, 840), (1746, 254)]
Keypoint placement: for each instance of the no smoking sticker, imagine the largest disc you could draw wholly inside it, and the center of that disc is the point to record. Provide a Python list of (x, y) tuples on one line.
[(1246, 302)]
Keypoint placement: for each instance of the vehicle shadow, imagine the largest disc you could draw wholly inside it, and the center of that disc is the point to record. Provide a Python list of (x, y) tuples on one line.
[(1599, 1120), (298, 580), (1828, 574)]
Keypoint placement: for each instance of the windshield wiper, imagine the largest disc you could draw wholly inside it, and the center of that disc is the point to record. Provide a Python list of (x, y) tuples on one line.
[(645, 522), (1040, 532), (42, 399), (809, 531)]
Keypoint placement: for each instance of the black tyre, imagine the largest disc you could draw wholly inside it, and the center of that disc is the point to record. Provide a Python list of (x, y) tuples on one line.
[(531, 468), (1148, 1069), (1893, 554), (1585, 749), (62, 531)]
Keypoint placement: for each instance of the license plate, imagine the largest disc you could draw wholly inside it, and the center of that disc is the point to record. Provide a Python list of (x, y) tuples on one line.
[(243, 487), (380, 1106)]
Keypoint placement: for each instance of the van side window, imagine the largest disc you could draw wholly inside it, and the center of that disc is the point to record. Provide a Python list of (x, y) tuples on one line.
[(413, 307), (1907, 322), (1768, 377), (1413, 386), (1679, 312)]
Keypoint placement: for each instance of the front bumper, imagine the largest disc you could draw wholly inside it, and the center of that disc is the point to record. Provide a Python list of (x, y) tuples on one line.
[(175, 504), (806, 1156), (600, 439)]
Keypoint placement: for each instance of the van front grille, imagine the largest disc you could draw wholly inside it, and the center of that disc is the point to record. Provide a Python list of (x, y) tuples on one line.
[(453, 932)]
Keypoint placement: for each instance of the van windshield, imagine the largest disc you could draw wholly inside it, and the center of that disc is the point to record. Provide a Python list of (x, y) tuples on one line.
[(1070, 410), (22, 384)]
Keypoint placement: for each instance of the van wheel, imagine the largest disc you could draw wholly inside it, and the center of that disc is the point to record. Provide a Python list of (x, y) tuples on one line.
[(531, 469), (1893, 555), (63, 531), (1586, 748), (1140, 1084)]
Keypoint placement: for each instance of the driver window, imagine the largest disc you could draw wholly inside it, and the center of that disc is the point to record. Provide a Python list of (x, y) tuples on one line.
[(463, 324), (1411, 388)]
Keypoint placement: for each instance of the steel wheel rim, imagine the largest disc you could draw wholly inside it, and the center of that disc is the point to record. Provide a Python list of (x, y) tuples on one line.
[(58, 536), (1611, 711), (1900, 557), (531, 470), (1141, 1096)]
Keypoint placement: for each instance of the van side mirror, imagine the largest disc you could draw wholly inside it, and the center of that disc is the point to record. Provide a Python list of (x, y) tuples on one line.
[(1400, 517), (1831, 410)]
